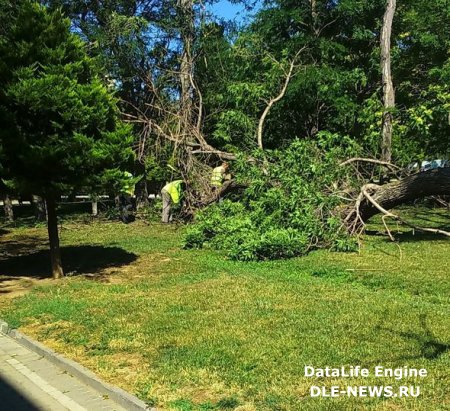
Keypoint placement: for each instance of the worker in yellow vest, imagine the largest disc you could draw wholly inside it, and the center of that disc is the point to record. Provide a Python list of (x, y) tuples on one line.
[(171, 196), (219, 174)]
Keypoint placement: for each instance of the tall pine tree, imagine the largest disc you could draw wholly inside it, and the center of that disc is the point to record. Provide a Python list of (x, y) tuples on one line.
[(60, 129)]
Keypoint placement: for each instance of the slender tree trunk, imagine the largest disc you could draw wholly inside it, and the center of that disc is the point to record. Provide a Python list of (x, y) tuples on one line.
[(388, 88), (53, 236), (314, 16), (141, 194), (272, 101), (94, 207), (39, 208), (8, 207), (187, 126), (186, 14)]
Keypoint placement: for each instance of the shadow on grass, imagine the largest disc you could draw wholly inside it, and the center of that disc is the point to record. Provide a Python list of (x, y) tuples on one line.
[(410, 236), (76, 260), (429, 346), (415, 236), (22, 246)]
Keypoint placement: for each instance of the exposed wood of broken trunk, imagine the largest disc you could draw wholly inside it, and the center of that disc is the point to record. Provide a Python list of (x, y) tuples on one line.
[(416, 186)]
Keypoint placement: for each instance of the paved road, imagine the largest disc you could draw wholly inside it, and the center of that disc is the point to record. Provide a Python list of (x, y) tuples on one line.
[(30, 382)]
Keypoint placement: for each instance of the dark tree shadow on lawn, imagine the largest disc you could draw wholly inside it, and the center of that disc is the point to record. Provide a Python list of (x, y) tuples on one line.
[(427, 219), (410, 236), (429, 345), (22, 246), (414, 236), (76, 260)]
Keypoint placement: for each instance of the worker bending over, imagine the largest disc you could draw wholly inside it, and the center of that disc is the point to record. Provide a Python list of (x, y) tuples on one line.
[(171, 196)]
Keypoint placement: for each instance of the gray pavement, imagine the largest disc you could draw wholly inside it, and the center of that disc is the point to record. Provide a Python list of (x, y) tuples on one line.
[(30, 382)]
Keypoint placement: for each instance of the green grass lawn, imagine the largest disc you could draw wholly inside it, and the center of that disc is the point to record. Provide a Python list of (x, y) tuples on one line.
[(191, 330)]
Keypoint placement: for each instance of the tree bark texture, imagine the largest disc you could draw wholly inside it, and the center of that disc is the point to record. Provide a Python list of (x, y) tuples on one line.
[(186, 15), (314, 17), (428, 183), (388, 88), (53, 236), (141, 194), (94, 207), (8, 207)]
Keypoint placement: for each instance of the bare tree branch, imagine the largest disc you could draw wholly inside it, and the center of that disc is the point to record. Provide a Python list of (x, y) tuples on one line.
[(276, 99), (370, 160)]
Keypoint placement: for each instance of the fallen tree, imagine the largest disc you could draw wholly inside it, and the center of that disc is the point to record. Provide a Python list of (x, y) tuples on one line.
[(303, 198), (416, 186), (375, 199)]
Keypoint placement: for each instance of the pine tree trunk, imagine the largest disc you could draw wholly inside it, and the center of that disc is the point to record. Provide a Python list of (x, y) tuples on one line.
[(39, 208), (388, 88), (8, 207), (53, 236)]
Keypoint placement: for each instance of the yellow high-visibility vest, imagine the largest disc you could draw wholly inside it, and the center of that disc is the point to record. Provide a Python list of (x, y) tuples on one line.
[(129, 186), (174, 190), (217, 176)]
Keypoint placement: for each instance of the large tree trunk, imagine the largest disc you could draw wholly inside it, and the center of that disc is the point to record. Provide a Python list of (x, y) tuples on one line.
[(388, 88), (8, 207), (53, 236), (428, 183)]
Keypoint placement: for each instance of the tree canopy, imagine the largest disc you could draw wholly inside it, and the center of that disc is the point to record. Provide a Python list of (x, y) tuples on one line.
[(60, 126), (195, 89)]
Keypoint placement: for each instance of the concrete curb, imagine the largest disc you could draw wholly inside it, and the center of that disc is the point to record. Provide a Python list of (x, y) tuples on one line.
[(119, 396)]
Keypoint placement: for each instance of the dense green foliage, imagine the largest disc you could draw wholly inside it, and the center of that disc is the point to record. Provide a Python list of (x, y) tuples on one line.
[(337, 87), (60, 129), (233, 71), (289, 208), (293, 197)]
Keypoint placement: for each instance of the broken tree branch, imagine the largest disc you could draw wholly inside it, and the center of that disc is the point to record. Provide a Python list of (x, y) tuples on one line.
[(374, 199), (370, 160)]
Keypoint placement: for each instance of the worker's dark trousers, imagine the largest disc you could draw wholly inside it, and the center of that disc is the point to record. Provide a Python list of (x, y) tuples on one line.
[(166, 207), (127, 208), (216, 191)]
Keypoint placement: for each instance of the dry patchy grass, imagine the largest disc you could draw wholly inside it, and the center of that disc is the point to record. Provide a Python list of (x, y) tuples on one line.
[(190, 330)]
